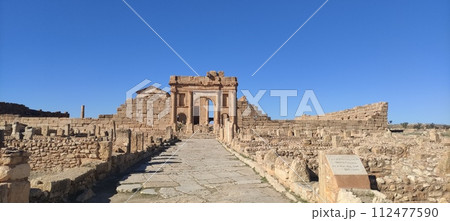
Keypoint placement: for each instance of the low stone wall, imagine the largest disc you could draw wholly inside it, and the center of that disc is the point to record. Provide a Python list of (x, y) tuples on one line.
[(50, 153), (74, 184)]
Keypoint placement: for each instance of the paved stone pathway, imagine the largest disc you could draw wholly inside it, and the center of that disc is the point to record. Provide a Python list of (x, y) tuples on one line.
[(200, 171)]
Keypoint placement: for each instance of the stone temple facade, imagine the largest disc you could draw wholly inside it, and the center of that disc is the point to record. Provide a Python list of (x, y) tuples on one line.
[(67, 156)]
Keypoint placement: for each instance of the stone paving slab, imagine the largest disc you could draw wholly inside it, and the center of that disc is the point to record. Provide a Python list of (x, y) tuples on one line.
[(200, 171), (149, 192), (128, 188), (137, 178), (154, 184)]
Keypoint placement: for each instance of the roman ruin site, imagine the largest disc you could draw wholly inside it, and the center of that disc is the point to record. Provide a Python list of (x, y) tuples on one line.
[(164, 147)]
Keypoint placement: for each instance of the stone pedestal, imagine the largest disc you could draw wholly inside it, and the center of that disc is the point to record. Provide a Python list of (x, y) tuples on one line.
[(14, 172), (29, 133), (169, 133), (340, 172), (45, 131)]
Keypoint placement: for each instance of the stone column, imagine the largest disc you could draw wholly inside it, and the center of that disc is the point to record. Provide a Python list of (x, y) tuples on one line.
[(217, 106), (190, 114), (232, 99), (82, 112), (203, 118), (14, 172), (67, 130), (98, 131), (173, 96), (113, 130)]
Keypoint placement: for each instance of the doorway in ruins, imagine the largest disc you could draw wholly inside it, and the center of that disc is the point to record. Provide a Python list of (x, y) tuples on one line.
[(210, 113), (204, 108)]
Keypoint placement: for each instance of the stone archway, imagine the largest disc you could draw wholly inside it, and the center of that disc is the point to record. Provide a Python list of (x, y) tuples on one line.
[(181, 118), (190, 95)]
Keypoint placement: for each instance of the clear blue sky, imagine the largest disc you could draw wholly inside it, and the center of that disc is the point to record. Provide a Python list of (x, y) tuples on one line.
[(58, 55)]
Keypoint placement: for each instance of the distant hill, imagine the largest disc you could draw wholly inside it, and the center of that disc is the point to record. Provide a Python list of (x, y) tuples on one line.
[(24, 111)]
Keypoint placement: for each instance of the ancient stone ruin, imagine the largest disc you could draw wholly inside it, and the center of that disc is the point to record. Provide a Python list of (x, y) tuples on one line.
[(310, 158)]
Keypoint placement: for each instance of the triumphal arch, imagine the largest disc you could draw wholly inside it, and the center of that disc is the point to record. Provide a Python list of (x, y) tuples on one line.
[(190, 97)]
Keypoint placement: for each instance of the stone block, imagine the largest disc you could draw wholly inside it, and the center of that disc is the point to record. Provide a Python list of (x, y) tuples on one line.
[(5, 173), (123, 140), (12, 160), (19, 172), (45, 131), (299, 171), (17, 135), (270, 157), (105, 150), (4, 192), (67, 130), (19, 192), (29, 132), (281, 169), (169, 133), (128, 188), (340, 171), (59, 132), (444, 163)]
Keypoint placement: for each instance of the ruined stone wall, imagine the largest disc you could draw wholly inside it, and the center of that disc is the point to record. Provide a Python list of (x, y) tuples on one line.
[(156, 117), (373, 116), (248, 115), (69, 142), (408, 168), (50, 153), (404, 167), (151, 108), (74, 185), (52, 124)]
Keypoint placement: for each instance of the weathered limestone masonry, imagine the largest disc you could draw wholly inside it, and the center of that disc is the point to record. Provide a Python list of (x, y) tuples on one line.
[(368, 117), (360, 119), (150, 108), (190, 96), (50, 153), (14, 172)]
